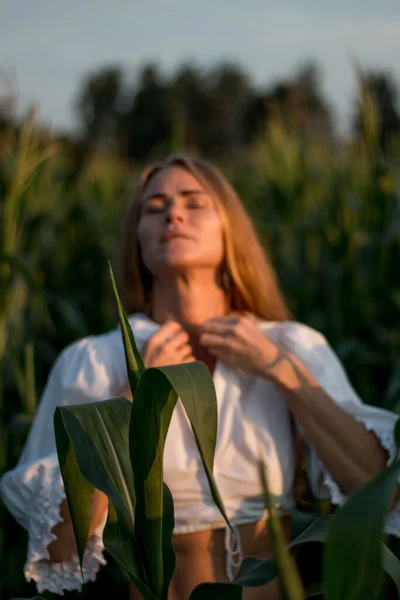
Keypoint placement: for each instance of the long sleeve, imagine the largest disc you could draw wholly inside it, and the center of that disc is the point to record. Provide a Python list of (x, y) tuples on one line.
[(89, 370), (312, 348)]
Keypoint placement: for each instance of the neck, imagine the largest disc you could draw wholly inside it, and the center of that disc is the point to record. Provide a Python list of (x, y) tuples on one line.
[(189, 301)]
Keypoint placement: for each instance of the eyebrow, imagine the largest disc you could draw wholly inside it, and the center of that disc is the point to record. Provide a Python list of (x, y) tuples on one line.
[(161, 196)]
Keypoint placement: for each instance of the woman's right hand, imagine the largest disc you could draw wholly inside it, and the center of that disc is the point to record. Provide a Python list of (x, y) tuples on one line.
[(168, 346)]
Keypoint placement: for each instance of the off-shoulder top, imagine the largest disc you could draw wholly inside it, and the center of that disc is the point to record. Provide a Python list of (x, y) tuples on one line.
[(253, 424)]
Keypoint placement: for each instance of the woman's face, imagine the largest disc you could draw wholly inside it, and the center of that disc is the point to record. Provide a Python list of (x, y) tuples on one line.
[(179, 227)]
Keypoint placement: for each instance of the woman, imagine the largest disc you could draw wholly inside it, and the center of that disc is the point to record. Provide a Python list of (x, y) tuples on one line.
[(198, 286)]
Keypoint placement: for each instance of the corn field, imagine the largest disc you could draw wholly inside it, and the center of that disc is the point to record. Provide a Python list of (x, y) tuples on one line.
[(330, 218)]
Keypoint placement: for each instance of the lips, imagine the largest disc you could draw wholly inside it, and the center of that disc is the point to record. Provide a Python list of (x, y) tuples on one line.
[(174, 234)]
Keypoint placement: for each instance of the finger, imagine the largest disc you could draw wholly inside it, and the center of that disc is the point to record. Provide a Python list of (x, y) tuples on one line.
[(218, 328), (170, 328), (184, 353), (224, 320), (172, 352), (167, 356), (223, 354), (189, 359), (211, 340), (219, 353), (177, 340)]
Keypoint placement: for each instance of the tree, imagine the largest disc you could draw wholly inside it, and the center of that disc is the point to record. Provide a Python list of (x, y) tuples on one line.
[(298, 100), (210, 105), (229, 92), (187, 102), (382, 90), (216, 112), (98, 104), (145, 127), (8, 101)]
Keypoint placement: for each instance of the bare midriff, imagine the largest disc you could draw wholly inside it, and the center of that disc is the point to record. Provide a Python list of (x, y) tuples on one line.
[(201, 557)]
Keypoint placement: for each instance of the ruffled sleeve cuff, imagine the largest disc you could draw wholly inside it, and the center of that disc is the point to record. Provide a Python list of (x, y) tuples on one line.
[(46, 492), (319, 358), (324, 485)]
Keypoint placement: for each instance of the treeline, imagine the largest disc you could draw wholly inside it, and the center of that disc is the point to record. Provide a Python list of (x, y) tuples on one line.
[(216, 112)]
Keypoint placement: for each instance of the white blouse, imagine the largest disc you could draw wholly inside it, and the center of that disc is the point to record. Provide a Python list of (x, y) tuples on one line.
[(253, 425)]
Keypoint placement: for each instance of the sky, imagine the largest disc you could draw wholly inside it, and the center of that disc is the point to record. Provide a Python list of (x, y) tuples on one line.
[(48, 46)]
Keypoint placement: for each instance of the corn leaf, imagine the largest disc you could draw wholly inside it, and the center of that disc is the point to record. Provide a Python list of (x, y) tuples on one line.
[(391, 565), (118, 447), (255, 572), (194, 386), (289, 575), (353, 555), (133, 358), (155, 399), (92, 445), (79, 491), (151, 414), (17, 264)]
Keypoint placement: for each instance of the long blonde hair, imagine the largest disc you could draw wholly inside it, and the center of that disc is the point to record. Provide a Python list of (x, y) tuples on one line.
[(249, 278)]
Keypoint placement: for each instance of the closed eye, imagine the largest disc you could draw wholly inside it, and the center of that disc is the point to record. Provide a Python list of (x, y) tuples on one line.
[(196, 203), (155, 205), (153, 209), (195, 200)]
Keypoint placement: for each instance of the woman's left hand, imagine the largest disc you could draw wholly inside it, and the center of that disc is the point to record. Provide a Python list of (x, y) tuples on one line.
[(237, 341)]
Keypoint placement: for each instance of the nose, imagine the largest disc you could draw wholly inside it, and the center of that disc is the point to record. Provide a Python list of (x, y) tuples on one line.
[(174, 213)]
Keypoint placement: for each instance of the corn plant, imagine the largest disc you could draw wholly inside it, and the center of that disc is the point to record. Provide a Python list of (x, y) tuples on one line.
[(117, 447), (23, 156), (330, 217)]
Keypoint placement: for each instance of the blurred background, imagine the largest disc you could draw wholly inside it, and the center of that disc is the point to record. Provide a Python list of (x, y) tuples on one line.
[(296, 101)]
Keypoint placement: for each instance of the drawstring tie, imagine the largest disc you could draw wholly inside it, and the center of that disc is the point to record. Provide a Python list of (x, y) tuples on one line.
[(234, 552)]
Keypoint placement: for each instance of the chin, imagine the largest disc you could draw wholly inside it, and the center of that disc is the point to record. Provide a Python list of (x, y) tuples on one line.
[(177, 265)]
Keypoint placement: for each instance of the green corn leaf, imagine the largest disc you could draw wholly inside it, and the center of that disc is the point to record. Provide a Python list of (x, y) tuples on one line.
[(194, 386), (17, 264), (104, 443), (155, 399), (255, 572), (92, 445), (290, 577), (151, 414), (391, 565), (78, 490), (118, 448), (352, 563), (133, 358)]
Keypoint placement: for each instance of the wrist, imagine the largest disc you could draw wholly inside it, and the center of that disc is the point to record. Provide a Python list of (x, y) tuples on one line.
[(283, 370)]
